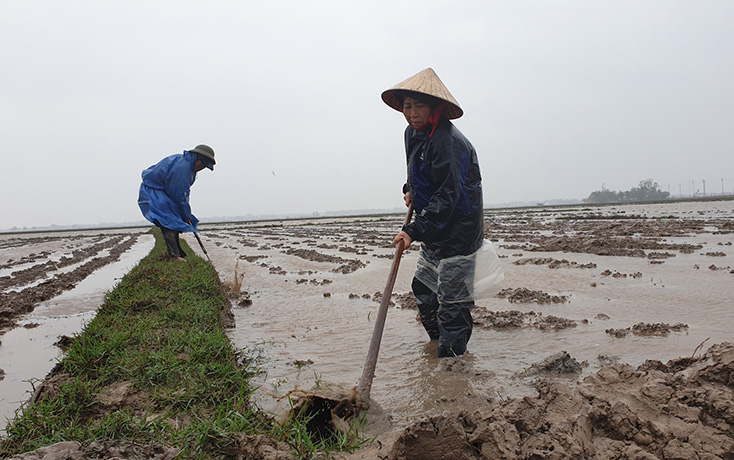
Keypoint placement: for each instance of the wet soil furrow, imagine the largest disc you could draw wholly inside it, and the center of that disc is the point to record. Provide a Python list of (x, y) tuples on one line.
[(40, 271), (15, 304)]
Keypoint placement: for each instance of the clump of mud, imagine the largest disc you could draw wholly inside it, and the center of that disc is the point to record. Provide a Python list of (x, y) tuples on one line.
[(648, 329), (560, 363), (603, 245), (326, 411), (554, 323), (514, 319), (100, 449), (64, 342), (501, 320), (657, 328), (680, 410), (552, 263), (347, 265), (617, 274), (525, 295), (407, 300)]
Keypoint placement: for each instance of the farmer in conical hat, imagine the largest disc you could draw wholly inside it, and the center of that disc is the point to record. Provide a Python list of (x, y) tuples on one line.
[(445, 188), (164, 194)]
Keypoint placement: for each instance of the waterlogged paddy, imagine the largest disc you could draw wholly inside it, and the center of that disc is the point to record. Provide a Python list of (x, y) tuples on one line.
[(28, 351), (313, 283), (313, 286)]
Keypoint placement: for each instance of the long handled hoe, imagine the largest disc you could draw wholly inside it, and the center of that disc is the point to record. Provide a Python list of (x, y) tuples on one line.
[(219, 282), (327, 410), (368, 373), (196, 234)]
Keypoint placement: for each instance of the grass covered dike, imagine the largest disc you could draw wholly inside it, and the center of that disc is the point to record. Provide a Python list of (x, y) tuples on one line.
[(154, 375)]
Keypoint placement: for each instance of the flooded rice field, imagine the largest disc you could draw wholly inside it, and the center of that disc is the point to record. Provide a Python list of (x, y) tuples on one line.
[(52, 284), (585, 288)]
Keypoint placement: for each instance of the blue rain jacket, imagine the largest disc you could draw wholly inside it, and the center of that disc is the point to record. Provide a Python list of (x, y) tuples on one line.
[(164, 193), (446, 187)]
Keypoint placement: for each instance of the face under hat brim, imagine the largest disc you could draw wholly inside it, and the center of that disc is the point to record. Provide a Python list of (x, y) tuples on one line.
[(424, 82)]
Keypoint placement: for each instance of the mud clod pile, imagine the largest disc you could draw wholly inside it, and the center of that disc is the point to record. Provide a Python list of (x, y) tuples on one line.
[(680, 410)]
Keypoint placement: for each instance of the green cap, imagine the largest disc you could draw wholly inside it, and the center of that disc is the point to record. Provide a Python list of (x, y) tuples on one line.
[(206, 152)]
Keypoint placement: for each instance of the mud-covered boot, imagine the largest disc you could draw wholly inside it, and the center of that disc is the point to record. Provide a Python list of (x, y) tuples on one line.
[(455, 326)]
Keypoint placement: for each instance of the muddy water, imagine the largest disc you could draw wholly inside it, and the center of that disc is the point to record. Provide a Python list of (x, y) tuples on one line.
[(313, 284), (28, 352), (311, 319)]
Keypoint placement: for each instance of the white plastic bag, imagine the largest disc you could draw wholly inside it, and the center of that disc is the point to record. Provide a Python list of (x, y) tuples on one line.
[(488, 273), (462, 279)]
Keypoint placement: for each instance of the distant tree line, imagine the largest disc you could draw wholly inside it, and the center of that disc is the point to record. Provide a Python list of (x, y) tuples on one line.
[(648, 190)]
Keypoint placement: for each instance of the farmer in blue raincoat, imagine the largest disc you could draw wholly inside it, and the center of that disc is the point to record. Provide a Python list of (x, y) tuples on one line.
[(164, 194), (445, 188)]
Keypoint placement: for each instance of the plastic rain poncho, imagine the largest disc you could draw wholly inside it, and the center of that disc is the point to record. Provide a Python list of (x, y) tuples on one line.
[(462, 279), (164, 193)]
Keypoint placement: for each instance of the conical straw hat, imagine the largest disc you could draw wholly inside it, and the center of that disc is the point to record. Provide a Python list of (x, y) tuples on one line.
[(426, 82)]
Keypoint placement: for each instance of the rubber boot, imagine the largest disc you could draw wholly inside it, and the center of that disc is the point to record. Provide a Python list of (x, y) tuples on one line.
[(427, 308), (455, 326), (173, 245)]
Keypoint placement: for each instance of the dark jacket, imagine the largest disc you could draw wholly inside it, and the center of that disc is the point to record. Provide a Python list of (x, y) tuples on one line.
[(445, 185)]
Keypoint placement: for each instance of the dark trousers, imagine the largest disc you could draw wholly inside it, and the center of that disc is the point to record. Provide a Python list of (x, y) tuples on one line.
[(450, 324), (172, 242)]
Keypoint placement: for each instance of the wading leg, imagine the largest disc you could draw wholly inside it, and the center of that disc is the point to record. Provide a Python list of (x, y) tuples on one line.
[(455, 325), (427, 308)]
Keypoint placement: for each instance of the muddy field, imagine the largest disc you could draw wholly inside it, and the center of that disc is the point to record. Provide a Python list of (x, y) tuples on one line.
[(608, 339), (50, 285), (586, 290)]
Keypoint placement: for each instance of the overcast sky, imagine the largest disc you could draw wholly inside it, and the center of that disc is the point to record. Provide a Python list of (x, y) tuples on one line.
[(559, 98)]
